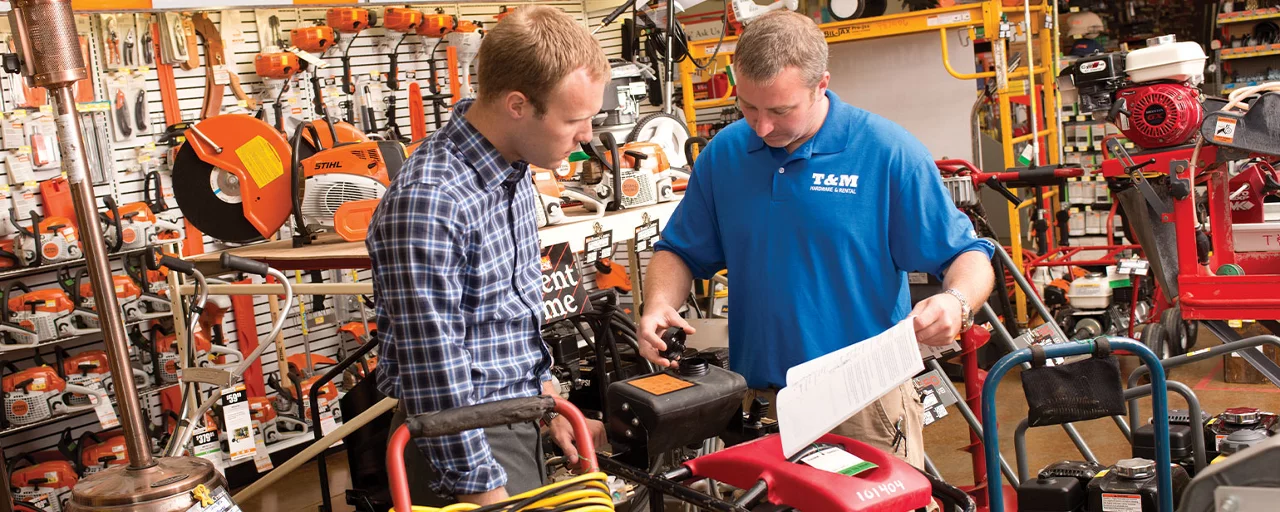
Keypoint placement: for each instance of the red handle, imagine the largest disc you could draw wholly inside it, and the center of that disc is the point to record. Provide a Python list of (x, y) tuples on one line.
[(398, 480)]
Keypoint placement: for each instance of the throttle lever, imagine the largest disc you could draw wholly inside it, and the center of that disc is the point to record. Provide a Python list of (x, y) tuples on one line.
[(995, 184), (1134, 170)]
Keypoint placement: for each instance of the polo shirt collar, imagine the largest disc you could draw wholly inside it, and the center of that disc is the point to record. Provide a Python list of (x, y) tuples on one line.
[(478, 152), (832, 136)]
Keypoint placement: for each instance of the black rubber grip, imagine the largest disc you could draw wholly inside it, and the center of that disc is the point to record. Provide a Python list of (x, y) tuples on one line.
[(1037, 176), (492, 414), (245, 265), (177, 265)]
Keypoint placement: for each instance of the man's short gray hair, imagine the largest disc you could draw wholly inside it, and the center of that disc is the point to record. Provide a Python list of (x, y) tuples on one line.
[(779, 39)]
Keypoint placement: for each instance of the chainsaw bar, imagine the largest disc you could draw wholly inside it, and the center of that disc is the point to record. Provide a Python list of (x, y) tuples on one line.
[(199, 188)]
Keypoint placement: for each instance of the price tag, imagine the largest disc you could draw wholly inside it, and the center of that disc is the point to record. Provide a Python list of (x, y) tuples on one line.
[(238, 422), (48, 109), (218, 501), (597, 247), (646, 236), (835, 460), (102, 407), (144, 69), (19, 114), (242, 103), (1133, 267), (220, 76), (205, 445), (261, 458), (327, 421), (375, 75)]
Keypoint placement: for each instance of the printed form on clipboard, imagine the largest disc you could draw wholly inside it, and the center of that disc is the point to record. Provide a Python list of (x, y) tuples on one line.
[(826, 391)]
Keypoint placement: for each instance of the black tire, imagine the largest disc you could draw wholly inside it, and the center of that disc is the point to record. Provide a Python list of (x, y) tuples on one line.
[(1175, 331), (1154, 337), (1192, 328), (859, 10), (875, 8)]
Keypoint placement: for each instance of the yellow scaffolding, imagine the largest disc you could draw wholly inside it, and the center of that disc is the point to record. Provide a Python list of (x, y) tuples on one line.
[(999, 24)]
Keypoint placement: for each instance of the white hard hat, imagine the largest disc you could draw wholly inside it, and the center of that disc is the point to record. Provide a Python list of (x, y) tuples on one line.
[(1084, 24)]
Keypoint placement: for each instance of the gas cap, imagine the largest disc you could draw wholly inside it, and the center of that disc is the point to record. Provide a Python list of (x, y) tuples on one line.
[(1164, 39), (1135, 469), (1241, 415), (1240, 440)]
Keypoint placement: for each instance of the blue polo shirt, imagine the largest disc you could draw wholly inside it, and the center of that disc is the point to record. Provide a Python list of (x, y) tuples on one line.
[(818, 242)]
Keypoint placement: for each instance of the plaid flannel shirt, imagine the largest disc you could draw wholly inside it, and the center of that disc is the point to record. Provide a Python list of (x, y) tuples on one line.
[(457, 280)]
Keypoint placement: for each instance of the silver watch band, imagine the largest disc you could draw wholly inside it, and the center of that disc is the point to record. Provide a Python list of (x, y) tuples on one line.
[(966, 313)]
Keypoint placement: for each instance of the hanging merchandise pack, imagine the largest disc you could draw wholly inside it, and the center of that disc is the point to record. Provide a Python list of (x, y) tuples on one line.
[(1079, 391), (173, 38), (41, 134), (123, 123)]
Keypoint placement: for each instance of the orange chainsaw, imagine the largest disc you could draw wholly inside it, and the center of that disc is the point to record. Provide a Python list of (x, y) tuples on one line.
[(47, 482), (238, 180), (98, 455), (288, 403), (263, 411), (89, 368), (52, 240), (134, 226), (38, 393), (135, 304), (49, 313)]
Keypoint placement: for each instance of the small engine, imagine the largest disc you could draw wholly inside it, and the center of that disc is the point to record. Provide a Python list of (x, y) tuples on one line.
[(1151, 94), (1160, 114)]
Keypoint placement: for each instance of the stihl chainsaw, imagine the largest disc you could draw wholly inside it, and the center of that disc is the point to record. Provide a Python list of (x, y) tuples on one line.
[(47, 483), (49, 313), (94, 455), (238, 180), (288, 403), (90, 368), (263, 411), (135, 304), (52, 240), (38, 393), (135, 226)]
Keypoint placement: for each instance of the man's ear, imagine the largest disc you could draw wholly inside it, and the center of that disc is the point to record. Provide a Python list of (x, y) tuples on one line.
[(824, 83), (516, 105)]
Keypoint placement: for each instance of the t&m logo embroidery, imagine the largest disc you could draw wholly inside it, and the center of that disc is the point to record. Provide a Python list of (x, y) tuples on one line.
[(839, 183)]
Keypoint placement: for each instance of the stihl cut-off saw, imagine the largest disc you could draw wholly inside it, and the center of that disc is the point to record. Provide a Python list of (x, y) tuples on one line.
[(239, 180)]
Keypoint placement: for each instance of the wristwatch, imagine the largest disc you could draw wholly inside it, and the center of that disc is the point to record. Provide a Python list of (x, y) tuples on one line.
[(550, 415), (966, 313)]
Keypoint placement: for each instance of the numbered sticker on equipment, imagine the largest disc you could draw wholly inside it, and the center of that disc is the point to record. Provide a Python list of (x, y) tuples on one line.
[(1224, 131), (597, 247), (646, 236), (238, 422)]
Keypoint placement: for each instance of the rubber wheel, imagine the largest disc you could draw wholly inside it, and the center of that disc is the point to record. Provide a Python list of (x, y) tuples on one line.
[(875, 8), (1154, 337), (661, 128), (1175, 331), (841, 10)]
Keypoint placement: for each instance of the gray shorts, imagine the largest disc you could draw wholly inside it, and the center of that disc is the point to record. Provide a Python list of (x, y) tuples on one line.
[(518, 448)]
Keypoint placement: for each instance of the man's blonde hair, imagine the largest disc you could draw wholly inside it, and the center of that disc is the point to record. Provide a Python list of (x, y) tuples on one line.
[(777, 40), (531, 50)]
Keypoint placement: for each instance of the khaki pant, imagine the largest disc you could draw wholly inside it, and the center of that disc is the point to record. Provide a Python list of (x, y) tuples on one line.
[(875, 424)]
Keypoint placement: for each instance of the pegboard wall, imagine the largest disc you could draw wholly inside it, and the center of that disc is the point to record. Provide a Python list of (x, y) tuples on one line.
[(134, 158)]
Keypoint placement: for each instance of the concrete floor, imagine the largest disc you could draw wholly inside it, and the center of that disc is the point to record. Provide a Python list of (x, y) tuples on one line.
[(945, 440)]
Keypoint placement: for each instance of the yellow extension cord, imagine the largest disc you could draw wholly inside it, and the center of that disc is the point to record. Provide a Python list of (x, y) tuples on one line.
[(594, 498)]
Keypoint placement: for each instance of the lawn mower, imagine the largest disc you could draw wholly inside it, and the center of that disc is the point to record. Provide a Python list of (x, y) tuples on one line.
[(242, 194)]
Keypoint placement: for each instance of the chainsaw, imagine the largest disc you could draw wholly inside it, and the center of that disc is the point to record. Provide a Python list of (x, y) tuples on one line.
[(263, 411), (297, 363), (88, 368), (98, 455), (135, 304), (550, 196), (51, 240), (643, 176), (49, 313), (38, 393), (234, 197), (135, 226), (289, 405), (47, 483)]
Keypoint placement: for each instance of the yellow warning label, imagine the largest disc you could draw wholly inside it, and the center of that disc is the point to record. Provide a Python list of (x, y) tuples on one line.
[(661, 384), (261, 160)]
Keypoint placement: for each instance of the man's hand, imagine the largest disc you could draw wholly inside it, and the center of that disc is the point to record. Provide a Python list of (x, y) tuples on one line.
[(563, 435), (656, 320), (937, 319), (485, 498)]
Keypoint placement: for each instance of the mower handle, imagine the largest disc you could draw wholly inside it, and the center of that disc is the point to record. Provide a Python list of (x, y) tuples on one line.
[(492, 414), (245, 265)]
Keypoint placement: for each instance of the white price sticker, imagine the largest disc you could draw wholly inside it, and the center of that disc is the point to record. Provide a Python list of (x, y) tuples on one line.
[(327, 421), (597, 247), (102, 407), (835, 460), (238, 422), (261, 458)]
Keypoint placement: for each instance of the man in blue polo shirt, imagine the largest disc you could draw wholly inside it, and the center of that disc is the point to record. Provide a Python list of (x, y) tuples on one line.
[(819, 209)]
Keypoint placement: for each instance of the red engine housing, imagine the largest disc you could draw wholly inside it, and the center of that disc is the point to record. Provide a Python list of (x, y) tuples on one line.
[(1161, 115)]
